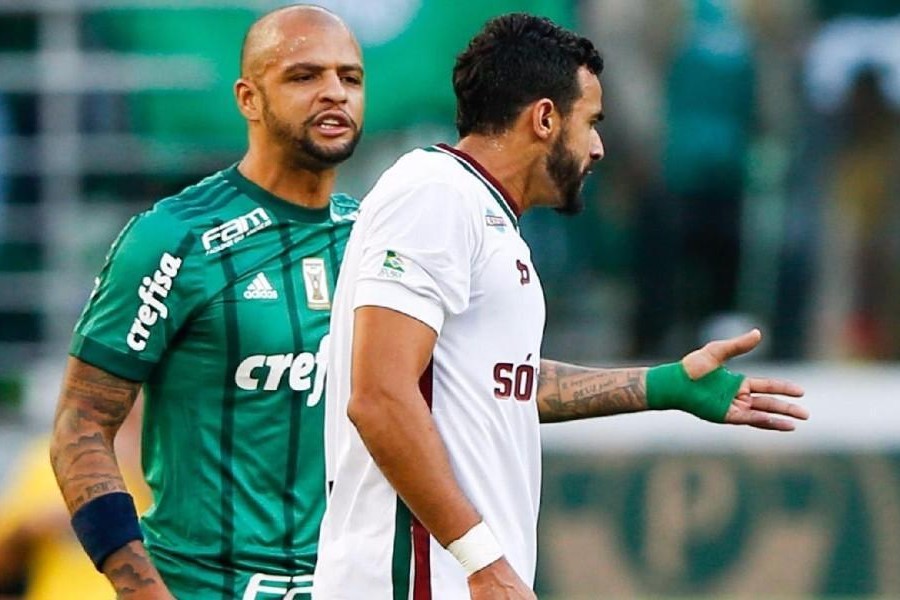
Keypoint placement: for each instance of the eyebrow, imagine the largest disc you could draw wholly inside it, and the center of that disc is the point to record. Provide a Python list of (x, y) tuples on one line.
[(318, 68)]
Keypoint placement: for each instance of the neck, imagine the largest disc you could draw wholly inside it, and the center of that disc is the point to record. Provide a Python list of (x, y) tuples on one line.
[(273, 173), (507, 161)]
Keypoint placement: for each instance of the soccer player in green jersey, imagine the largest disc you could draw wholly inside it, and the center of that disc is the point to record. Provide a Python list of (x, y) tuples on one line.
[(216, 301)]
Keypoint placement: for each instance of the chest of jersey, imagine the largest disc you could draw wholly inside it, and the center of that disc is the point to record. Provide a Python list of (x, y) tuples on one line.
[(267, 313), (286, 309), (498, 339), (506, 292)]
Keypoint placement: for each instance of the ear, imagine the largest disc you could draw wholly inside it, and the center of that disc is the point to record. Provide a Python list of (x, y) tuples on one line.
[(248, 99), (544, 118)]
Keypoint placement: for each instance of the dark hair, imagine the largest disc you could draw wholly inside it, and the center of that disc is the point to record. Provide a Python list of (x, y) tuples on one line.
[(514, 60)]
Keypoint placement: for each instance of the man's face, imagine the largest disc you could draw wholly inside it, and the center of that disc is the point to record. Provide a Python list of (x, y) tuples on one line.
[(578, 145), (312, 95)]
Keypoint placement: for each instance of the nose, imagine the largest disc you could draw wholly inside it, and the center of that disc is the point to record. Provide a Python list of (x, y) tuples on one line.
[(597, 150), (333, 89)]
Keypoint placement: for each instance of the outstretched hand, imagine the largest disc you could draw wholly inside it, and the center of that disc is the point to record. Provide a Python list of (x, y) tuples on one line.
[(754, 404)]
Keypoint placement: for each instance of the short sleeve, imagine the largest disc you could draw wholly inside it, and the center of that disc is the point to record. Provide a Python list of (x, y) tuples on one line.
[(141, 298), (418, 253)]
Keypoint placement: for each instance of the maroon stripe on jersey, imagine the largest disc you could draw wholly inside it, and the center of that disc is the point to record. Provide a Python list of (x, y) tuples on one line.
[(510, 201), (422, 553), (426, 383), (421, 537)]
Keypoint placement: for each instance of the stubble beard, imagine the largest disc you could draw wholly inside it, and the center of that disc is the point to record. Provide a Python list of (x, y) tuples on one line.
[(301, 151), (568, 176)]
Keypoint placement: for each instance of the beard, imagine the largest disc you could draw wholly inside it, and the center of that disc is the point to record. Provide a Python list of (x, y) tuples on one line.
[(568, 176), (301, 150)]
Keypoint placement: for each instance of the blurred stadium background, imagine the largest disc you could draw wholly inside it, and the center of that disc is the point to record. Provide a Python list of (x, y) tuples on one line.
[(751, 178)]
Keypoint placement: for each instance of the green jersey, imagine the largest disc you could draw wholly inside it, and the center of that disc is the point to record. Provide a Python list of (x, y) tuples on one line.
[(218, 300)]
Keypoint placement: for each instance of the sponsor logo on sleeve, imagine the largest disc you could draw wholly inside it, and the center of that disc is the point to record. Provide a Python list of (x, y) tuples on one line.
[(393, 266), (153, 292), (231, 232)]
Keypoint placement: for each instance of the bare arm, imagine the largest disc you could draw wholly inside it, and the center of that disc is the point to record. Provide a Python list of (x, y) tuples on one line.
[(394, 421), (391, 351), (566, 392), (92, 406)]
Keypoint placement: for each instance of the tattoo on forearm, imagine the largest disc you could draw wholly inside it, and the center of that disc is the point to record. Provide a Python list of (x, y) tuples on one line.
[(100, 398), (92, 406), (104, 483), (131, 572), (103, 477), (73, 452), (567, 392)]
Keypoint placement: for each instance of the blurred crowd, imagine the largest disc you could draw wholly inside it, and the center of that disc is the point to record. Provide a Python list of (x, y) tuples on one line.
[(750, 171), (749, 175)]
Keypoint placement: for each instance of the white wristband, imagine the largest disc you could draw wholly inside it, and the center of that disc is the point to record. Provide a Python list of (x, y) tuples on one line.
[(476, 549)]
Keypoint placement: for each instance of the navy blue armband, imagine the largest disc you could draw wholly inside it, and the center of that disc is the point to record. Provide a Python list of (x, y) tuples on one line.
[(105, 524)]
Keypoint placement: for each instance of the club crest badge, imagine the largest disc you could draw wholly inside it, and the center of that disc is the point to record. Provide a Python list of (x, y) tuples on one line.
[(315, 281)]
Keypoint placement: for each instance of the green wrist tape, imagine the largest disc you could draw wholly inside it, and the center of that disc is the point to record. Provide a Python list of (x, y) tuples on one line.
[(669, 386)]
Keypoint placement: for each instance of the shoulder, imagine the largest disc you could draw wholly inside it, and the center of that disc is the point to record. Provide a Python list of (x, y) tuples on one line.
[(428, 164), (170, 227), (152, 233), (428, 178), (206, 200), (195, 218)]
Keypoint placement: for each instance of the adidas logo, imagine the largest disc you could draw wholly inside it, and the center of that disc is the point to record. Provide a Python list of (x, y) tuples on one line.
[(260, 288)]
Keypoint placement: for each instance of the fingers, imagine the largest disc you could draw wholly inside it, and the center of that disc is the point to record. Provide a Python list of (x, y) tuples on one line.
[(762, 385), (778, 406), (758, 419), (700, 362), (763, 412), (722, 350)]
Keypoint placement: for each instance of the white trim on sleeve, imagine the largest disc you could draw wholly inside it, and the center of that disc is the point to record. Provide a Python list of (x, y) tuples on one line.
[(396, 296)]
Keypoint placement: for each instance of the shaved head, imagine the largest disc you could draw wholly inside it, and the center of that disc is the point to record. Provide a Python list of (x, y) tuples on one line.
[(301, 87), (268, 36)]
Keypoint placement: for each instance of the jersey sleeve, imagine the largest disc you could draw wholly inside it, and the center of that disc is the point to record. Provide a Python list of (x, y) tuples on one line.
[(418, 254), (142, 297)]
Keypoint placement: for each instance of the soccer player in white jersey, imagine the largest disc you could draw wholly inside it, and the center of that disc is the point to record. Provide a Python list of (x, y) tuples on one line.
[(437, 386)]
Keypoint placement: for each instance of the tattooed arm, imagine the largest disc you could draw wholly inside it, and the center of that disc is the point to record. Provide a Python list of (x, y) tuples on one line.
[(92, 406), (567, 392)]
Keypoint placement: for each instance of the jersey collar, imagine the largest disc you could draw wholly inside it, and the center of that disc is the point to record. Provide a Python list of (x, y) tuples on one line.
[(279, 206), (503, 198)]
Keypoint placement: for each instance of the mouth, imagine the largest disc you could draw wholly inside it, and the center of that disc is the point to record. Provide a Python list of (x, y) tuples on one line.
[(333, 123)]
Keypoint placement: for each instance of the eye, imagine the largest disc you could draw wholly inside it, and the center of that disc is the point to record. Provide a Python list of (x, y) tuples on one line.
[(352, 79)]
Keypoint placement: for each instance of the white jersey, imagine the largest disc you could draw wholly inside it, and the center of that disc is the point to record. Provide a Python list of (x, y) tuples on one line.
[(437, 239)]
